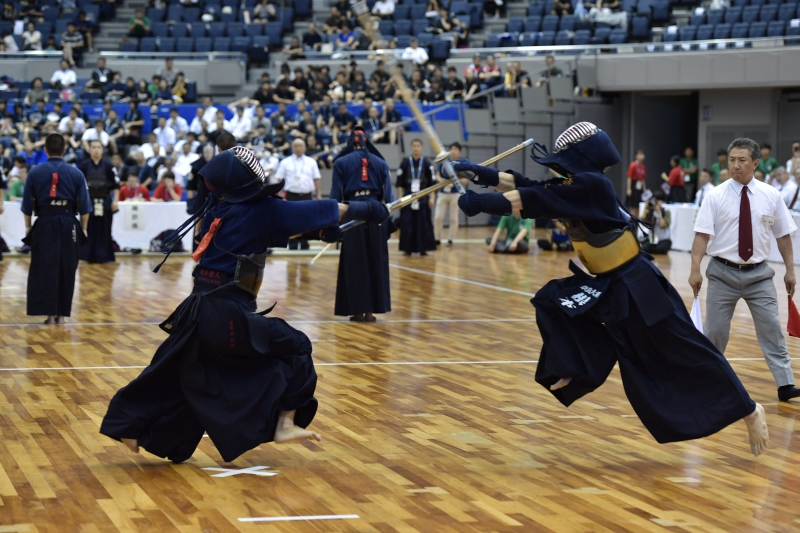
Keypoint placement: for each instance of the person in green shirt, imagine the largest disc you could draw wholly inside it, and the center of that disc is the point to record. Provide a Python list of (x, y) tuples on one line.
[(689, 165), (139, 25), (17, 187), (767, 163), (722, 162), (515, 232)]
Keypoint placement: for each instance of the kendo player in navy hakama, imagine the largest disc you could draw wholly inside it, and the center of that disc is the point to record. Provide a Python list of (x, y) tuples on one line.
[(102, 184), (55, 192), (626, 312), (360, 174), (3, 186), (225, 369)]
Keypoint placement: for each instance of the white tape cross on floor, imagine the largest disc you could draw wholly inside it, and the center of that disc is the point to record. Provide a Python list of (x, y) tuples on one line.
[(253, 470)]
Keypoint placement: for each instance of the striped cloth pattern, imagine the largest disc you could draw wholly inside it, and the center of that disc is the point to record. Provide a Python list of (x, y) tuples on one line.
[(576, 133), (249, 160)]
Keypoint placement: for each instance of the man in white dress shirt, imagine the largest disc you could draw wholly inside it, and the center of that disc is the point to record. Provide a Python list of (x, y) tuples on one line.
[(198, 123), (209, 111), (165, 135), (415, 53), (704, 185), (63, 77), (735, 225), (302, 177), (240, 124), (787, 187), (177, 123)]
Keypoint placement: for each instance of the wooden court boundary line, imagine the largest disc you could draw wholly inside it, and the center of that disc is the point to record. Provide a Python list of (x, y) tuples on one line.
[(386, 321), (461, 280), (361, 363)]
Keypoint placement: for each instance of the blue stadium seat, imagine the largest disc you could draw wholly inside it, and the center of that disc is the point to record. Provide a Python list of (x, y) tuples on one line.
[(704, 32), (147, 44), (776, 28), (417, 12), (203, 44), (155, 14), (274, 33), (402, 27), (733, 15), (546, 38), (160, 29), (641, 28), (629, 5), (661, 11), (185, 44), (564, 38), (527, 38), (287, 22), (302, 8), (671, 35), (221, 44), (235, 29), (261, 41), (166, 44), (197, 30), (190, 14), (130, 45), (401, 12), (757, 29), (403, 41), (61, 26), (550, 23), (715, 16), (776, 2), (50, 15), (567, 23), (440, 50), (215, 29), (492, 41), (757, 2), (476, 15), (253, 29), (180, 30), (536, 9), (768, 13), (419, 26), (45, 28), (722, 31), (386, 27), (644, 7), (515, 25), (696, 20), (233, 16), (582, 37), (92, 13), (601, 34), (786, 12), (618, 36), (739, 30), (9, 94), (240, 44), (584, 24), (175, 12), (533, 24), (793, 31), (739, 3), (426, 39), (750, 14)]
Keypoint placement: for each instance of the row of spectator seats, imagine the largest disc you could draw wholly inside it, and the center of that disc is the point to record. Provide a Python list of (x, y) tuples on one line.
[(602, 35), (740, 30), (742, 3), (214, 29), (732, 15), (405, 27), (178, 13)]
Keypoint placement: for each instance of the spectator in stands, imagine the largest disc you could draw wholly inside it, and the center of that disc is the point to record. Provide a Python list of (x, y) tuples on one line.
[(415, 52), (689, 165), (343, 123), (333, 23), (383, 9), (263, 94), (724, 175), (164, 94), (767, 163), (147, 175), (676, 179), (357, 89), (418, 84), (240, 124), (167, 190), (472, 86), (142, 94), (636, 176), (515, 78), (788, 187), (435, 95), (154, 86), (704, 187), (37, 117), (64, 77), (154, 154), (321, 154), (36, 93), (101, 76), (264, 12), (180, 88), (116, 91), (279, 143), (51, 43), (372, 124), (114, 128), (168, 72), (757, 174), (133, 190), (475, 68), (78, 106), (31, 38), (218, 127), (282, 94), (511, 236), (551, 71), (312, 40), (659, 240), (17, 185), (793, 163), (138, 25), (165, 136), (316, 92), (9, 44), (721, 163), (31, 154), (98, 133), (177, 123), (299, 85), (453, 87), (133, 121), (85, 28), (490, 75), (209, 111), (295, 49), (72, 124), (9, 12), (279, 116), (260, 118), (561, 7), (18, 163), (72, 43), (186, 156), (198, 124), (391, 118), (7, 127), (346, 40), (130, 89)]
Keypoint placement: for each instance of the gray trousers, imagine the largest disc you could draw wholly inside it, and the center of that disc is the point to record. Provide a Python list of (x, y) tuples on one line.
[(726, 285)]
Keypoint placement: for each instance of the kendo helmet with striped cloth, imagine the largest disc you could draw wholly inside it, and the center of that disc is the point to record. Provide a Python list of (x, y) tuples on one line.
[(237, 176), (583, 147)]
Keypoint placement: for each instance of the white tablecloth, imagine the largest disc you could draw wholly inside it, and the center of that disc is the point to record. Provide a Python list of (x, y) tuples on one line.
[(135, 225), (682, 226)]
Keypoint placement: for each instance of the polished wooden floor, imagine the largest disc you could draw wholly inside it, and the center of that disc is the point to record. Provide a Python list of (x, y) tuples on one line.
[(431, 419)]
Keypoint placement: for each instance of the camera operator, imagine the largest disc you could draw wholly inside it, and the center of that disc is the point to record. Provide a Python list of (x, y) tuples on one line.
[(660, 239)]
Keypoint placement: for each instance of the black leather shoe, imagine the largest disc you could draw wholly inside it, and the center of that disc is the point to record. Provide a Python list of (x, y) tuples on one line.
[(787, 392)]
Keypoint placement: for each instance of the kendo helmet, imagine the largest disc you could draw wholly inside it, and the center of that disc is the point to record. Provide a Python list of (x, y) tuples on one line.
[(237, 176), (583, 147)]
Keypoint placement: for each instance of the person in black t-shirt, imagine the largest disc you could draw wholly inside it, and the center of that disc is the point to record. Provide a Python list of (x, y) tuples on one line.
[(263, 94), (101, 76), (436, 94), (282, 94), (295, 50), (280, 141), (364, 113), (316, 93), (343, 122), (312, 40), (375, 92), (357, 88), (453, 87), (391, 116), (299, 85)]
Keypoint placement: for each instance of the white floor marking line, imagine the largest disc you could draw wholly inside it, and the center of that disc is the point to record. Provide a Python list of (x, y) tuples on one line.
[(293, 518), (468, 281), (392, 321), (401, 363), (253, 471)]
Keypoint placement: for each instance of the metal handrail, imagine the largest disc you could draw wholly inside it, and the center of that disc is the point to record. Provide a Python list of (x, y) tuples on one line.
[(33, 54), (176, 55)]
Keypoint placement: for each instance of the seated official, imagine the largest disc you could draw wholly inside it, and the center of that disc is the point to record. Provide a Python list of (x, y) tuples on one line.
[(559, 240), (511, 236), (660, 239)]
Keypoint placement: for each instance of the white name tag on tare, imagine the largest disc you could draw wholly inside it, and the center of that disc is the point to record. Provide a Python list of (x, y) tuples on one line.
[(768, 220)]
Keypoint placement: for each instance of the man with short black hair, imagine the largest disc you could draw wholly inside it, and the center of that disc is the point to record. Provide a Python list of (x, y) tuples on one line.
[(55, 192), (102, 183), (101, 77), (446, 199), (71, 43), (735, 225)]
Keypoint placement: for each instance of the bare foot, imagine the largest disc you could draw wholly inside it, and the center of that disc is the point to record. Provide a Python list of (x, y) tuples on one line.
[(292, 433), (757, 430), (51, 320), (563, 382), (132, 444)]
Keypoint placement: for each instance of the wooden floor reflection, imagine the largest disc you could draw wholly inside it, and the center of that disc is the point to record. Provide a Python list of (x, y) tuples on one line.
[(431, 419)]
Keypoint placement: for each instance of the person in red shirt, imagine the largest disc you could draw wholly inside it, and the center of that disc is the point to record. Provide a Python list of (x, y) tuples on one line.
[(167, 190), (676, 180), (133, 190), (637, 174)]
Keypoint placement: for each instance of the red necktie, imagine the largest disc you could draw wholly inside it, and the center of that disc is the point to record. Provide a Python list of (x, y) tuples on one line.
[(745, 228)]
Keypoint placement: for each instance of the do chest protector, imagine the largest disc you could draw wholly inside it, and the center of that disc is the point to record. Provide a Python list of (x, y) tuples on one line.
[(601, 253)]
